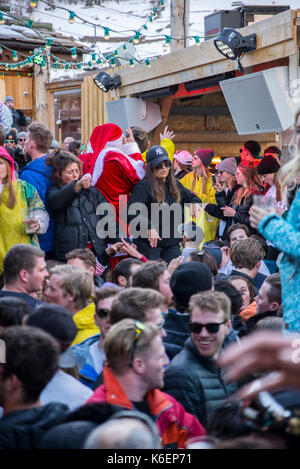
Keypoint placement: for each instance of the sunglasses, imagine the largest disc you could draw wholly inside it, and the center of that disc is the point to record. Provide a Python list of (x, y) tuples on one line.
[(218, 172), (21, 139), (164, 164), (139, 328), (102, 312), (212, 327), (9, 141)]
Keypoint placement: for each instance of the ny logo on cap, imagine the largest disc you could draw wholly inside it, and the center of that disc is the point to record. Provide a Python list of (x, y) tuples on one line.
[(159, 151)]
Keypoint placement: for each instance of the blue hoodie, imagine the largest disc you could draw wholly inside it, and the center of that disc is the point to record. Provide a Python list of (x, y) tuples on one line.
[(39, 175)]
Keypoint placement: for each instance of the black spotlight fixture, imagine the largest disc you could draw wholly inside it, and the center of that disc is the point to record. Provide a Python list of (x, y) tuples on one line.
[(105, 82), (233, 45)]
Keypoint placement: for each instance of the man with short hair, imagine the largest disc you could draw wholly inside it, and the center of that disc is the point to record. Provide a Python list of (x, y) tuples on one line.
[(193, 376), (72, 287), (37, 173), (134, 375), (63, 387), (268, 300), (246, 255), (141, 304), (186, 280), (31, 361), (155, 275), (85, 259), (250, 153), (89, 354), (24, 273), (123, 272), (192, 237)]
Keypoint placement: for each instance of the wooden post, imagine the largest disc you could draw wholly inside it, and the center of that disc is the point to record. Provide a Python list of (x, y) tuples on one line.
[(180, 22), (41, 97)]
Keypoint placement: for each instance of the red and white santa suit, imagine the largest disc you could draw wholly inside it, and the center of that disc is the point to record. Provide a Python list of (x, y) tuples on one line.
[(115, 167)]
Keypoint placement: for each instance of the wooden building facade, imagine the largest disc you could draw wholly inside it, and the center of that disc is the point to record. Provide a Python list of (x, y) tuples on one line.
[(201, 118)]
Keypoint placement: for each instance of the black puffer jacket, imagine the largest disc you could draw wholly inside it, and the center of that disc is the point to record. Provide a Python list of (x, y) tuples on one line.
[(75, 219), (242, 211), (23, 429), (196, 382), (163, 219)]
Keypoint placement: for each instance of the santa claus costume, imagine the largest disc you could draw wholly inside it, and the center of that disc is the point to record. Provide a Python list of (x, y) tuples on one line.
[(115, 167)]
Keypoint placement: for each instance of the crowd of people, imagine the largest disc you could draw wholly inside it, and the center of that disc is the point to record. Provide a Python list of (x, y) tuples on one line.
[(150, 285)]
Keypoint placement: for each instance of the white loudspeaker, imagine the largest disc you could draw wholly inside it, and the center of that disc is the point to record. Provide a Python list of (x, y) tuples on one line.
[(128, 112), (259, 102)]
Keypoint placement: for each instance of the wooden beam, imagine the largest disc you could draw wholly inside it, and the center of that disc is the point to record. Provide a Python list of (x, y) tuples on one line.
[(220, 137), (165, 105), (200, 111), (275, 39)]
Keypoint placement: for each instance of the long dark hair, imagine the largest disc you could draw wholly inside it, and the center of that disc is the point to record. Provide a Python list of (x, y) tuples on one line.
[(59, 159), (158, 187)]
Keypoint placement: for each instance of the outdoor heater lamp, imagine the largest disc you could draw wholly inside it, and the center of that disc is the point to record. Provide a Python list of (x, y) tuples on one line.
[(233, 45), (105, 82)]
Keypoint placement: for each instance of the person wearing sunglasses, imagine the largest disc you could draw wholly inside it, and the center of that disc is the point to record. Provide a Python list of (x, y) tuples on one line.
[(89, 354), (21, 157), (193, 376), (156, 235), (134, 376)]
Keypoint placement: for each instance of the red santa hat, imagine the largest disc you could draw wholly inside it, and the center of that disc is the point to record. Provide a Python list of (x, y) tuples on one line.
[(101, 135)]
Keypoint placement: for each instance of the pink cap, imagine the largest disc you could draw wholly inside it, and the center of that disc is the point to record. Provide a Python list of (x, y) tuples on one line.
[(183, 157)]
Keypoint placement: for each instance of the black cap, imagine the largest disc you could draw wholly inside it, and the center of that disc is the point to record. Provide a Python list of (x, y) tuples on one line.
[(188, 279), (56, 320), (156, 155)]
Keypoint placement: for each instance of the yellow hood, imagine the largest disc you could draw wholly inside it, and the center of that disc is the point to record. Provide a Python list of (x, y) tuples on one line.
[(85, 323)]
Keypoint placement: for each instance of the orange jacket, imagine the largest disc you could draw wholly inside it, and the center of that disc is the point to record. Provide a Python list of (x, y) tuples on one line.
[(248, 312), (174, 424)]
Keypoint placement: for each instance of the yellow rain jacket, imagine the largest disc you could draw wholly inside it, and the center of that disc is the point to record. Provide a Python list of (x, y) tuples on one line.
[(85, 323), (207, 223)]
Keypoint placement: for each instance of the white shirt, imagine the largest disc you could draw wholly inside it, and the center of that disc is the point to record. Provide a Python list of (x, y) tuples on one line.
[(65, 389)]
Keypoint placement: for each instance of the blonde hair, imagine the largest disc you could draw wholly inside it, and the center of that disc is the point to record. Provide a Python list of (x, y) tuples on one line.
[(292, 168), (76, 282), (120, 340), (212, 301)]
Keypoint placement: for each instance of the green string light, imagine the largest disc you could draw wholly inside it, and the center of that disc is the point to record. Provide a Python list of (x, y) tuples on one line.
[(33, 3), (94, 60), (1, 50), (136, 38), (148, 63), (73, 53), (72, 17), (48, 43), (15, 56), (106, 34), (29, 23), (2, 20), (131, 63), (197, 40), (168, 41), (113, 62)]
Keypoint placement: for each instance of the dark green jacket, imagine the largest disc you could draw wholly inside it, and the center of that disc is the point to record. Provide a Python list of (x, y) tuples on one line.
[(196, 382)]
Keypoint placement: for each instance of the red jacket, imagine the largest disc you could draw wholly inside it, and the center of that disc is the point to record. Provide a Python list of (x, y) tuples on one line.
[(174, 424)]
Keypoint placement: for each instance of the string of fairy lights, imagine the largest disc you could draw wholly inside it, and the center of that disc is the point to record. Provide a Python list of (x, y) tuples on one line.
[(43, 55)]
